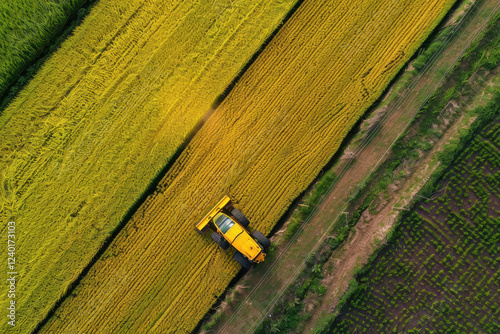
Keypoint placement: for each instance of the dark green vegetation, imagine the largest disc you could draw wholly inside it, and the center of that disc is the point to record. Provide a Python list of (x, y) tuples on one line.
[(290, 313), (28, 30), (440, 271)]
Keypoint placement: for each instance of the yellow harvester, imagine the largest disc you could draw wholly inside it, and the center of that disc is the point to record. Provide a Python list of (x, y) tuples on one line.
[(231, 229)]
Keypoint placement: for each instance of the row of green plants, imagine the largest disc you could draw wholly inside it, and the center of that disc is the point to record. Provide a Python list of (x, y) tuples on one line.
[(439, 272), (308, 204), (290, 312)]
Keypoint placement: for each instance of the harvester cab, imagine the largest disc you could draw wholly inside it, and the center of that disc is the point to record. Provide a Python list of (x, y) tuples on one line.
[(230, 228)]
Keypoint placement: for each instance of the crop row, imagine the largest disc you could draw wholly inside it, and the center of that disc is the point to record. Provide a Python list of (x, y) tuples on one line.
[(266, 142), (441, 272), (101, 119)]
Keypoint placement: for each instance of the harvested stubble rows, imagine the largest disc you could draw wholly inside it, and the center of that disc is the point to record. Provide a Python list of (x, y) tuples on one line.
[(265, 143), (106, 112), (26, 28)]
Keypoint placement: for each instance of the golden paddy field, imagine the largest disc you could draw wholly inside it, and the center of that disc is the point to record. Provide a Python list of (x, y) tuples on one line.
[(265, 143), (104, 115)]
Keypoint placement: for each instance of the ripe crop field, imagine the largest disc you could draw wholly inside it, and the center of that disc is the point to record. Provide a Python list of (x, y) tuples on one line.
[(266, 142), (440, 274), (27, 27), (103, 116)]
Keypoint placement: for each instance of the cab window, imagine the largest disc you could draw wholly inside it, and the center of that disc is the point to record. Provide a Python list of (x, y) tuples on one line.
[(224, 223)]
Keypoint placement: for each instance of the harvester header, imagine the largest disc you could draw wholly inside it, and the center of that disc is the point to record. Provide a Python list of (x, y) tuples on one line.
[(201, 227)]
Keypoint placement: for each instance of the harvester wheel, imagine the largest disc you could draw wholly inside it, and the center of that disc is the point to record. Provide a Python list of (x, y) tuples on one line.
[(265, 242), (240, 217), (241, 259), (220, 240)]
